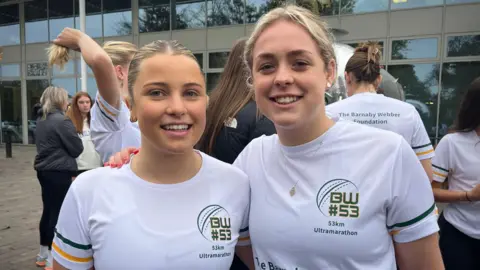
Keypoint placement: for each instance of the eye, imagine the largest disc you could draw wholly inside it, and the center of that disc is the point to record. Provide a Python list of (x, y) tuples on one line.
[(267, 67), (301, 64), (156, 93), (191, 93)]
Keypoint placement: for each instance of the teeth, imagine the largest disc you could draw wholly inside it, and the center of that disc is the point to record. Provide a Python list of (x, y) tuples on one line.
[(176, 127), (286, 100)]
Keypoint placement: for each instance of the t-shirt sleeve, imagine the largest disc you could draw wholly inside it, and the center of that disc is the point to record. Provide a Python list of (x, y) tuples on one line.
[(244, 235), (441, 162), (71, 245), (421, 143), (411, 211), (105, 117)]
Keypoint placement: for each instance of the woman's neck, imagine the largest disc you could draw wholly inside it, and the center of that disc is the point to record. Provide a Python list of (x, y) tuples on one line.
[(478, 131), (165, 168), (307, 132), (364, 88)]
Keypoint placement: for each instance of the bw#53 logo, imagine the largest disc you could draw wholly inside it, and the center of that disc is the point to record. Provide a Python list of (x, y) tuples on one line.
[(339, 198), (214, 223)]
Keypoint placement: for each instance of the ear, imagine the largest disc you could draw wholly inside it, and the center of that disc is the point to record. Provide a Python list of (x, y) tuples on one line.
[(119, 72), (208, 100), (331, 71), (347, 78)]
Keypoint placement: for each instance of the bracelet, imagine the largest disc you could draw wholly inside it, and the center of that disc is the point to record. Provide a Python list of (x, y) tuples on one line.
[(466, 196)]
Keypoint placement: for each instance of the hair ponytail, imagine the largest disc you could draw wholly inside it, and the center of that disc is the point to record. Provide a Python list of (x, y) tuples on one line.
[(365, 62), (58, 55)]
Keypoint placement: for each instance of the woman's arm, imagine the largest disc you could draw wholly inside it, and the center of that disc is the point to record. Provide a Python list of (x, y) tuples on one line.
[(245, 254), (448, 196), (97, 59), (422, 254)]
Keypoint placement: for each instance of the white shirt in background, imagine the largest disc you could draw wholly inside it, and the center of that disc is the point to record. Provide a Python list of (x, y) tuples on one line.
[(355, 187), (111, 129), (457, 156), (89, 158), (112, 219), (379, 111)]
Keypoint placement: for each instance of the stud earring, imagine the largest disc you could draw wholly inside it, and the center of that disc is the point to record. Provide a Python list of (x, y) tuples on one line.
[(329, 84)]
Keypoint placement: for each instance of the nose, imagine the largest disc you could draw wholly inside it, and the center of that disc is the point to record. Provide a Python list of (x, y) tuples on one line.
[(176, 106), (284, 76)]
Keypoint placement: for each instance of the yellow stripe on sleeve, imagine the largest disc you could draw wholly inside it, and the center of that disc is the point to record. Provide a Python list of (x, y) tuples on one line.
[(439, 174), (70, 257), (244, 238), (425, 152), (105, 108)]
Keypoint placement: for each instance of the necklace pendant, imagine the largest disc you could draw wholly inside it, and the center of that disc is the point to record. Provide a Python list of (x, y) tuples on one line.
[(292, 191)]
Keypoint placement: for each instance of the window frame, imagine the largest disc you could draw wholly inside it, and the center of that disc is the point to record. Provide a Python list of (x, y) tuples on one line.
[(383, 61), (437, 58), (447, 58), (207, 59)]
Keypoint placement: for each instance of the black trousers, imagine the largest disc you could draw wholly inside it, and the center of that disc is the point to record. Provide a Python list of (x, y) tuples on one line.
[(237, 264), (459, 251), (55, 185)]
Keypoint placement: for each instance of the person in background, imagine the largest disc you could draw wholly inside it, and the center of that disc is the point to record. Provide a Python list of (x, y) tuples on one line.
[(111, 127), (366, 106), (79, 113), (457, 156), (232, 117), (58, 145)]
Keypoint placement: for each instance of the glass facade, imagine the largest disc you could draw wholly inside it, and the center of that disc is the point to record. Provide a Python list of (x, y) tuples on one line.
[(434, 68)]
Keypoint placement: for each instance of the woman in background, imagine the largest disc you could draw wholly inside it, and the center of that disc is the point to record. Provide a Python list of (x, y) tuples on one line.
[(57, 147), (79, 113)]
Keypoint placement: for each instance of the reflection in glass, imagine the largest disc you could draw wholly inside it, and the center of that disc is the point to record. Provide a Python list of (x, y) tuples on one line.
[(455, 79), (68, 69), (9, 27), (37, 69), (217, 59), (61, 16), (256, 8), (400, 4), (189, 14), (414, 48), (199, 57), (461, 1), (11, 108), (69, 84), (154, 16), (78, 63), (10, 70), (117, 18), (362, 6), (91, 86), (463, 46), (355, 45), (212, 80), (36, 21), (35, 90), (420, 83), (322, 8), (225, 12), (93, 18)]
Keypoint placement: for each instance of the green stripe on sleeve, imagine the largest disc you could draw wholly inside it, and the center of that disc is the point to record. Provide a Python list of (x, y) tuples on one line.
[(71, 243), (421, 146), (440, 168), (414, 220)]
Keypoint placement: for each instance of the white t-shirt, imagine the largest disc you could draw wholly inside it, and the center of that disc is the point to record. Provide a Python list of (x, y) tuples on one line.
[(386, 113), (356, 186), (111, 129), (112, 219), (458, 157), (89, 158)]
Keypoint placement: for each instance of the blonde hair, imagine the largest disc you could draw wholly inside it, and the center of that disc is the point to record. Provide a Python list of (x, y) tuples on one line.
[(120, 52), (53, 98), (171, 47), (312, 23)]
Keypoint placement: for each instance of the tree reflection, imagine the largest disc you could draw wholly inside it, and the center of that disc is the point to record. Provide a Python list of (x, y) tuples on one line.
[(463, 46)]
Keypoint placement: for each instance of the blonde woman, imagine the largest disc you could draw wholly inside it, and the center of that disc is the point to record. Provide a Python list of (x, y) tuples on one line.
[(326, 194), (57, 147), (112, 128)]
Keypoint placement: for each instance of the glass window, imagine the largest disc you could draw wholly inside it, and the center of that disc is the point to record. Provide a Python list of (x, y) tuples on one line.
[(69, 84), (321, 8), (362, 6), (117, 18), (414, 48), (455, 79), (217, 59), (60, 15), (11, 110), (93, 17), (154, 16), (10, 70), (461, 1), (189, 14), (91, 86), (68, 69), (37, 69), (400, 4), (463, 46), (78, 62), (225, 12), (9, 27), (212, 80), (35, 90), (256, 8), (420, 83), (199, 57), (36, 21)]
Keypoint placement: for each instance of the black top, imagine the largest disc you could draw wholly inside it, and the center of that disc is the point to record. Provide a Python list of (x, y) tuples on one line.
[(58, 143), (232, 140)]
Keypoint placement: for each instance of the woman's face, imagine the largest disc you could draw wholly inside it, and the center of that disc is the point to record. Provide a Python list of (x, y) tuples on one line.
[(170, 102), (289, 75), (84, 104)]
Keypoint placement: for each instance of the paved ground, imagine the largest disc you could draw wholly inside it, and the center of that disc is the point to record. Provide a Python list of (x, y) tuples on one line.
[(20, 210)]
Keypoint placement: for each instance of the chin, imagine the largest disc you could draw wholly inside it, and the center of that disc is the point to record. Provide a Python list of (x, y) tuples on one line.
[(286, 121)]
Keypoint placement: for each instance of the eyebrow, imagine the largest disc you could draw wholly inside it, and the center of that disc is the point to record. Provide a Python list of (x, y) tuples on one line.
[(291, 53), (165, 85)]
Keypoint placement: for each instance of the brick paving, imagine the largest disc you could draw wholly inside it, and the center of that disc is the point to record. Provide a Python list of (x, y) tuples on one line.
[(20, 210)]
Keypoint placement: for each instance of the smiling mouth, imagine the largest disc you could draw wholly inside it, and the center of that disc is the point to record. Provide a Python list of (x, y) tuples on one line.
[(176, 127), (286, 99)]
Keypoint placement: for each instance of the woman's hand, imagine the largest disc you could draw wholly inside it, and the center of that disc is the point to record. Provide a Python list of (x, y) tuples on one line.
[(474, 194), (121, 158), (69, 38)]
